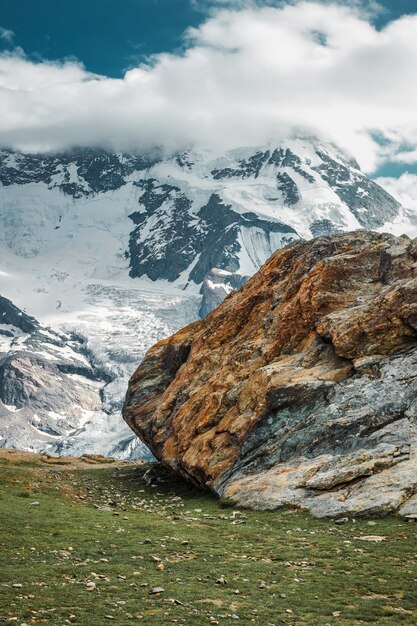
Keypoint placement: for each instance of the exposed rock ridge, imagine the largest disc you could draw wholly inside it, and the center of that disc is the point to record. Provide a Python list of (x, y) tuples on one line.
[(301, 388)]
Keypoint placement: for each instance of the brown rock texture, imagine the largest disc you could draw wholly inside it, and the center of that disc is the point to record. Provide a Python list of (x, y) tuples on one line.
[(301, 388)]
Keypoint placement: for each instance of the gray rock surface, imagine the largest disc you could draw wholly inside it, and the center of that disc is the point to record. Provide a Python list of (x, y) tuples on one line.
[(216, 286)]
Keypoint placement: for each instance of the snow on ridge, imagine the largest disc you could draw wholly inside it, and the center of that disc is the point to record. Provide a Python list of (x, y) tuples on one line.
[(66, 245)]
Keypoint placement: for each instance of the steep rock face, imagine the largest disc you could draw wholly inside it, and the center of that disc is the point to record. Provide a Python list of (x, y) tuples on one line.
[(301, 388), (216, 286)]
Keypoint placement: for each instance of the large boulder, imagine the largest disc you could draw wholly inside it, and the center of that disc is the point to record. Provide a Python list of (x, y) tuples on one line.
[(301, 388)]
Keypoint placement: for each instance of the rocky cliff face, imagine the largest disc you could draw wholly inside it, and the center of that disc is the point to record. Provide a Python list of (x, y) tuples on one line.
[(301, 388)]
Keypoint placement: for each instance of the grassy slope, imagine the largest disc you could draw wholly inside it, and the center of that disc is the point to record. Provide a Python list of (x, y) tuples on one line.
[(327, 574)]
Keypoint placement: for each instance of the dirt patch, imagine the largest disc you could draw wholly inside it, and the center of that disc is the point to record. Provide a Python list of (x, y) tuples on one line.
[(71, 462)]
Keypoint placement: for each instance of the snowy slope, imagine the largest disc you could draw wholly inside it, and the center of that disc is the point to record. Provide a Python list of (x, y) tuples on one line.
[(118, 248), (48, 386)]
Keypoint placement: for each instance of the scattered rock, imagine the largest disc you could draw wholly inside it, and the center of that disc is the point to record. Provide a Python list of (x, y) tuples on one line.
[(374, 538), (91, 586), (155, 558)]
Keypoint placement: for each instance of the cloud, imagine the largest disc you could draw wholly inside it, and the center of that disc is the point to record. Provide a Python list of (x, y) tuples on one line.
[(6, 35), (408, 156), (247, 76), (368, 7), (404, 189)]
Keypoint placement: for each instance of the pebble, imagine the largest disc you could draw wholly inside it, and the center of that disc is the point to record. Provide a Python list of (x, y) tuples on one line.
[(156, 590), (160, 567), (374, 538), (155, 558), (221, 581), (34, 503), (341, 520)]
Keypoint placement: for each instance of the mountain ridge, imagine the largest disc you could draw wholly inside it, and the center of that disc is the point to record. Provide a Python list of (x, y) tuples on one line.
[(123, 250), (180, 204)]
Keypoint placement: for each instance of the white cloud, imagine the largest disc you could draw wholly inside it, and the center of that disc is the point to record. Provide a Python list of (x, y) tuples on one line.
[(367, 7), (6, 34), (404, 189), (246, 77), (409, 156)]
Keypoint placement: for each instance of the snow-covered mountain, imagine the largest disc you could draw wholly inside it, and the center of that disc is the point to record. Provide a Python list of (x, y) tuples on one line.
[(124, 249), (48, 386)]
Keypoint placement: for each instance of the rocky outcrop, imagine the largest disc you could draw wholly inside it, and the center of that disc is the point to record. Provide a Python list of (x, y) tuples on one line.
[(301, 388)]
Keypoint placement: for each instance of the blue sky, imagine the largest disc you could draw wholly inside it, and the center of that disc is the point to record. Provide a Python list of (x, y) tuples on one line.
[(318, 66), (106, 35), (109, 36)]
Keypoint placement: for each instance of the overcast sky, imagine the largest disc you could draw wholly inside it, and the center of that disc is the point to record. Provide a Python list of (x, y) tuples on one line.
[(133, 74)]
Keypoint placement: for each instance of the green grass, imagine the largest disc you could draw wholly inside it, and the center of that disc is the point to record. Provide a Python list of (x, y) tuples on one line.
[(325, 573)]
